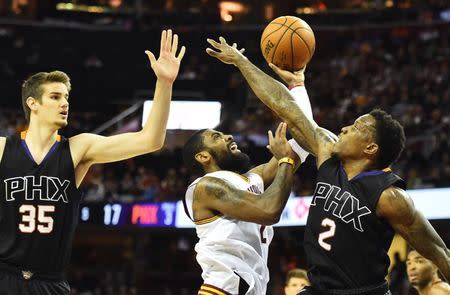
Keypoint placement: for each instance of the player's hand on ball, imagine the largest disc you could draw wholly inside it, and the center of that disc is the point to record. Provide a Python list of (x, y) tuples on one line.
[(225, 53), (278, 144), (290, 78), (167, 66)]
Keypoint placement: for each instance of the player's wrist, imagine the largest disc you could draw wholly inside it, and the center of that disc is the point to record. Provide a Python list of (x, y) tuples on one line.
[(292, 85), (241, 59), (286, 160)]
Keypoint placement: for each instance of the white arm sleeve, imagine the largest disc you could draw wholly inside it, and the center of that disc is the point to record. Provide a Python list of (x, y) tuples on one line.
[(302, 99)]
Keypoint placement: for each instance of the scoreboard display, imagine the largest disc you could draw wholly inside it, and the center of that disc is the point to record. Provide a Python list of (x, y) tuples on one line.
[(172, 215), (125, 215)]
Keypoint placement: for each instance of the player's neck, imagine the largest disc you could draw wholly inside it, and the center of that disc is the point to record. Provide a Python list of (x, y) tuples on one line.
[(355, 167), (425, 289), (212, 168), (40, 136)]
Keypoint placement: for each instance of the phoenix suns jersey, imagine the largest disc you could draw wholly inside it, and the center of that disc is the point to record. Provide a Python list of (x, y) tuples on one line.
[(346, 243), (229, 249), (38, 207)]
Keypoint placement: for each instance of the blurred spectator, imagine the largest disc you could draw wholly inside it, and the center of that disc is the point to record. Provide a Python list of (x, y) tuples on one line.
[(296, 280)]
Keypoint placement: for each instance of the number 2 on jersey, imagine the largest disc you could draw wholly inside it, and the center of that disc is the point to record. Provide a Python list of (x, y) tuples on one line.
[(327, 234), (28, 224)]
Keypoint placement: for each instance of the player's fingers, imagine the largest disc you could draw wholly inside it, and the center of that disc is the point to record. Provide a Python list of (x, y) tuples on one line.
[(302, 70), (283, 130), (274, 68), (163, 41), (223, 41), (270, 136), (213, 43), (181, 54), (150, 56), (175, 44), (169, 40), (278, 131), (212, 52)]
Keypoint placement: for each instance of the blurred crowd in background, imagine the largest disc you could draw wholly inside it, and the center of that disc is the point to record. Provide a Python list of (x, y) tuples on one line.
[(402, 69), (404, 72)]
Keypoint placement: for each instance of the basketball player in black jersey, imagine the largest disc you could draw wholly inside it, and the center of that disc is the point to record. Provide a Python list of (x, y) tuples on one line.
[(40, 173), (358, 203)]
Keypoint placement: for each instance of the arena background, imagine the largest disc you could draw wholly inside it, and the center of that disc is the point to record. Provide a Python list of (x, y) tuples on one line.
[(133, 238)]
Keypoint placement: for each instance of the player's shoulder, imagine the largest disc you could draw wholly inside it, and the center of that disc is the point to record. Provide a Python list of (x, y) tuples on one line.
[(395, 203), (441, 288), (79, 144), (395, 193), (82, 141), (82, 137)]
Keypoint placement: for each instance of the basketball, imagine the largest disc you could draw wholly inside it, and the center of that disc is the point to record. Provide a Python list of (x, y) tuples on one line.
[(288, 42)]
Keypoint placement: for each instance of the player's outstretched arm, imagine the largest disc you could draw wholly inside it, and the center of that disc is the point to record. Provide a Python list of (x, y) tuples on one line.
[(91, 148), (278, 98), (218, 195), (398, 209)]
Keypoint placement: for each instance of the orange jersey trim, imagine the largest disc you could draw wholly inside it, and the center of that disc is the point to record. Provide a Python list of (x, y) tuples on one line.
[(23, 135), (208, 220), (242, 176), (207, 289)]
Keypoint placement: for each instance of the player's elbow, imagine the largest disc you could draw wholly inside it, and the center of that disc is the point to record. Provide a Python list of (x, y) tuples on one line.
[(152, 143), (271, 218)]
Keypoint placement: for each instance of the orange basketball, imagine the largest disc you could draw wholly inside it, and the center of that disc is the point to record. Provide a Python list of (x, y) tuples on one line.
[(288, 42)]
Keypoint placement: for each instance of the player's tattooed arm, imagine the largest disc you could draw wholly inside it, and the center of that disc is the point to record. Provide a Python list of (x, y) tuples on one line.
[(218, 195), (277, 97), (398, 209)]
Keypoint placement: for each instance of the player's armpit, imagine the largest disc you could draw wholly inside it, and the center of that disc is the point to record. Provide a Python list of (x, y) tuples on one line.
[(321, 147), (398, 209)]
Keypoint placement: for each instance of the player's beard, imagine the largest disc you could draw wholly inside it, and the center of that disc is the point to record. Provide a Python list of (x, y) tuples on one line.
[(236, 162)]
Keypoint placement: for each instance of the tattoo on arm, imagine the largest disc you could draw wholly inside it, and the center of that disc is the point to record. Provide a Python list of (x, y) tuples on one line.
[(416, 229), (277, 97), (219, 189)]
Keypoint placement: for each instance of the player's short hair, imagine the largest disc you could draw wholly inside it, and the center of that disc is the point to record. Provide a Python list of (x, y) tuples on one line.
[(32, 87), (296, 273), (193, 146), (390, 138)]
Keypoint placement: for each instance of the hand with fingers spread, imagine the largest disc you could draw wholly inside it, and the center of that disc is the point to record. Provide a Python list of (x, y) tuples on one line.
[(167, 65), (279, 145), (292, 79), (225, 53)]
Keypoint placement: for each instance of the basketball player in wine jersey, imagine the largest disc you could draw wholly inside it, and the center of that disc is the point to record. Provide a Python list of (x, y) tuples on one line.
[(358, 203), (232, 212), (40, 173)]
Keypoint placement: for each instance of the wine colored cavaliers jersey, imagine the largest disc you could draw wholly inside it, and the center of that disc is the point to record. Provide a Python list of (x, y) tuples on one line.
[(228, 249), (38, 207), (346, 243)]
